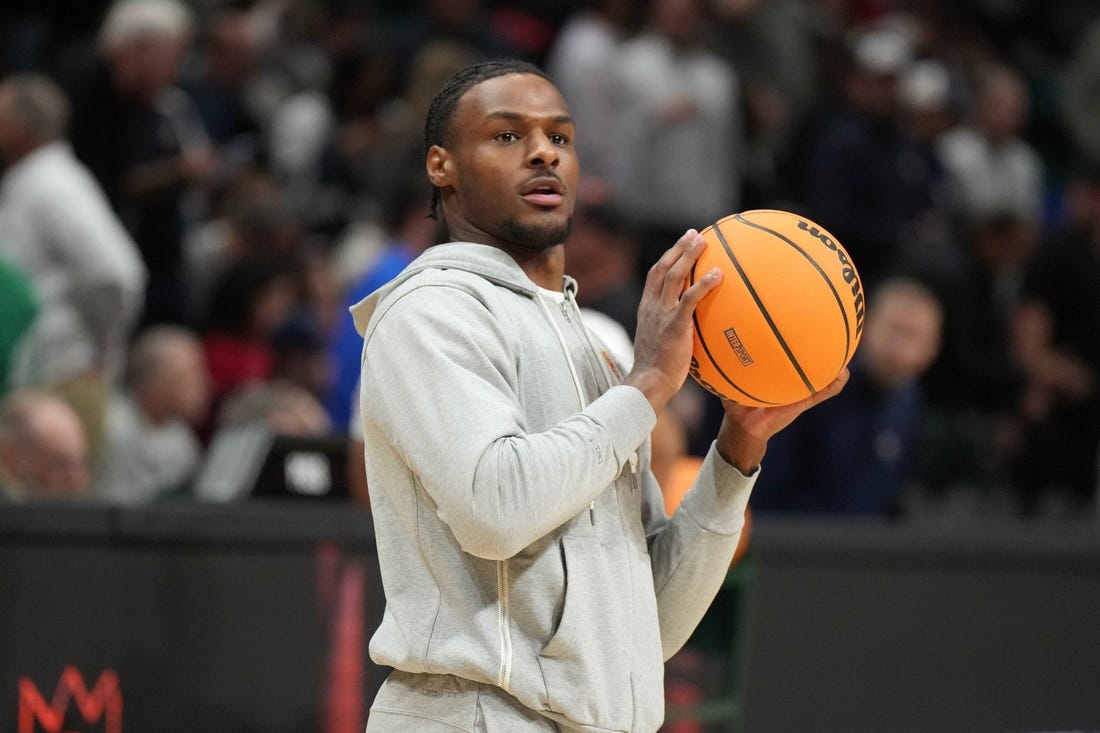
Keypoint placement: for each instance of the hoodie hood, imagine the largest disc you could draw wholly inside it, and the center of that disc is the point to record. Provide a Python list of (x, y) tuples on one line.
[(487, 261)]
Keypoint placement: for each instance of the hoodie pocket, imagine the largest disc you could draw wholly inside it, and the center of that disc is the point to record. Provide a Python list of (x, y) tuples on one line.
[(586, 664)]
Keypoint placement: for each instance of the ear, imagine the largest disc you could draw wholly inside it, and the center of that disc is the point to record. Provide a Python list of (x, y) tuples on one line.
[(440, 166)]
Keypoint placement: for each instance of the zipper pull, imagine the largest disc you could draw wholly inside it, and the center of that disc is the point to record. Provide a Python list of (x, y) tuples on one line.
[(633, 462), (592, 512)]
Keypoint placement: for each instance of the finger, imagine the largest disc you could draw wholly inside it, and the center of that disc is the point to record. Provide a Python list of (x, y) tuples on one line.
[(655, 279), (676, 278), (698, 290), (832, 390)]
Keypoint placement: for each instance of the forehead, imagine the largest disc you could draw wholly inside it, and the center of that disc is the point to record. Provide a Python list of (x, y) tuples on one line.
[(511, 95), (904, 309)]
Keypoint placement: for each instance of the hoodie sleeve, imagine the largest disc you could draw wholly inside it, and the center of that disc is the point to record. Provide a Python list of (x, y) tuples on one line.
[(691, 551), (439, 380)]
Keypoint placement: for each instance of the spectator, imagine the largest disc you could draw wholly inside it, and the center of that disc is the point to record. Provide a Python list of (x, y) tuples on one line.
[(251, 300), (781, 49), (868, 179), (602, 257), (221, 86), (43, 450), (680, 103), (252, 218), (581, 61), (1057, 340), (150, 448), (301, 357), (378, 144), (974, 386), (925, 96), (1081, 103), (58, 229), (141, 136), (926, 101), (18, 308), (852, 455), (992, 168), (460, 21)]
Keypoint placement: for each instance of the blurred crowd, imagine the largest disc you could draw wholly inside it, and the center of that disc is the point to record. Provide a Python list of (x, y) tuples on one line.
[(194, 191)]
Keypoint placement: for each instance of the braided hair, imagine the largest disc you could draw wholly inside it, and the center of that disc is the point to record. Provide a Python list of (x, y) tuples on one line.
[(437, 126)]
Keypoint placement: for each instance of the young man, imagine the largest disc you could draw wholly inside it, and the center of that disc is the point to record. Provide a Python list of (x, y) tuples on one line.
[(532, 579)]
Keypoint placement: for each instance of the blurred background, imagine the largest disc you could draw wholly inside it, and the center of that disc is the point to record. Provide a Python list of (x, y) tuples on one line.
[(192, 193)]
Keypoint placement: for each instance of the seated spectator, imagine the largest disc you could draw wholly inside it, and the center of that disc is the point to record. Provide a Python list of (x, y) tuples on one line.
[(971, 425), (150, 447), (249, 217), (43, 450), (850, 456), (58, 229), (1057, 340), (300, 354), (250, 301)]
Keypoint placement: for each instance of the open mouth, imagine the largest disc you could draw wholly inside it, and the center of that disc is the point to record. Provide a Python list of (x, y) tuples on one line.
[(544, 192), (543, 198)]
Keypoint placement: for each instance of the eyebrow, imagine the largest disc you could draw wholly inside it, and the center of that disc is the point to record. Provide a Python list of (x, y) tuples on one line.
[(559, 119)]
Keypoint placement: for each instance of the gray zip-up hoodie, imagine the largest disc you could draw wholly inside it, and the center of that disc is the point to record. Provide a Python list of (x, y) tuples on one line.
[(521, 535)]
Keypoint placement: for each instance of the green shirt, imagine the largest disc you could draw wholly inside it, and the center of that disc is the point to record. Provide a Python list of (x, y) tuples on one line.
[(18, 308)]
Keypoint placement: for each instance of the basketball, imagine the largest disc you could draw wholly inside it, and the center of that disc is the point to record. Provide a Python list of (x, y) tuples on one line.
[(787, 315)]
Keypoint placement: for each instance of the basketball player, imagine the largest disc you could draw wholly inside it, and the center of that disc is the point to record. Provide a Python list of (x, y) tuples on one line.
[(533, 582)]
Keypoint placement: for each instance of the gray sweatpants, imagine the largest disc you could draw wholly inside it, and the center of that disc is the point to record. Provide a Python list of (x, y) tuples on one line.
[(434, 703)]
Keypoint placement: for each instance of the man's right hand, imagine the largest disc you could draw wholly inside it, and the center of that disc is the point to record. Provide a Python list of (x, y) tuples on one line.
[(663, 341)]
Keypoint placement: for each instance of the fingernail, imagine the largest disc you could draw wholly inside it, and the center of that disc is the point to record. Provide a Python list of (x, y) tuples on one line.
[(714, 274)]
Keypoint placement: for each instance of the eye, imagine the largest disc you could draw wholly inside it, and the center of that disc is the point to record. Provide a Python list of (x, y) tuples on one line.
[(506, 137), (559, 139)]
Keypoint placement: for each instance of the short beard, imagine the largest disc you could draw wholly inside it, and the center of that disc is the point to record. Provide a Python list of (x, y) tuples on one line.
[(535, 238)]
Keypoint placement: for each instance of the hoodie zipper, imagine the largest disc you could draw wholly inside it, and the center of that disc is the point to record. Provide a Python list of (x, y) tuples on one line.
[(581, 401), (504, 674), (611, 381)]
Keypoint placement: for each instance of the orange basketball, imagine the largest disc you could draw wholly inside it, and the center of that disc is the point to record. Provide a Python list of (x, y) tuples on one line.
[(787, 316)]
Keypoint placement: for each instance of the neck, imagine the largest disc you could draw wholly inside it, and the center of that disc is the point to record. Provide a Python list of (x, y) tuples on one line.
[(17, 152), (545, 267)]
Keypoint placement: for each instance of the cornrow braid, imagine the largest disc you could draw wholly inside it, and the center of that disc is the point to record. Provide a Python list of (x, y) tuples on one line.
[(437, 126)]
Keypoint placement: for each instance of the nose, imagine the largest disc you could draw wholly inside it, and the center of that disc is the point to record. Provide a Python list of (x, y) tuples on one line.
[(542, 152)]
